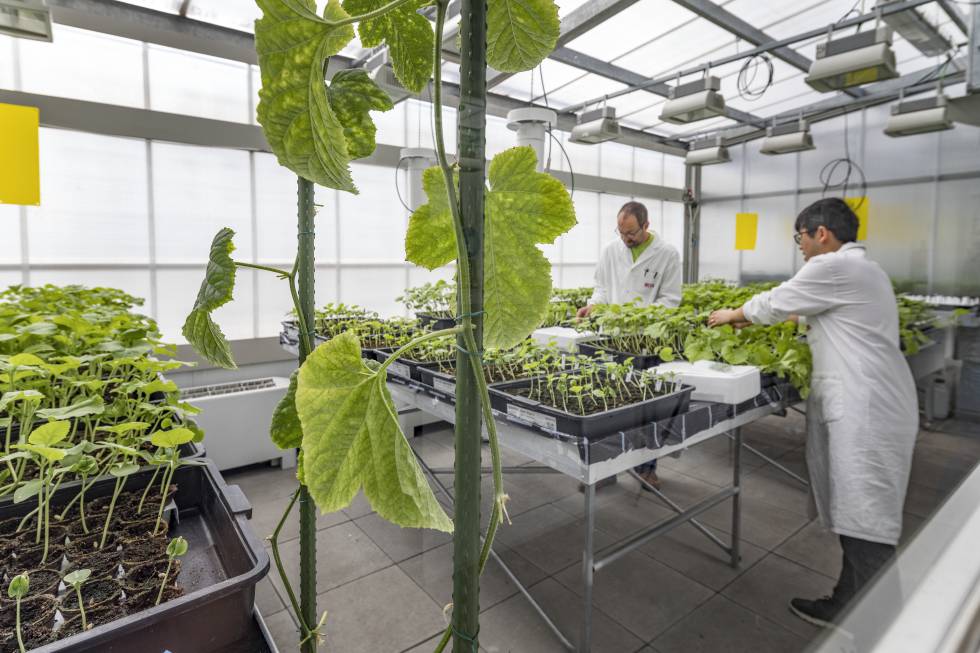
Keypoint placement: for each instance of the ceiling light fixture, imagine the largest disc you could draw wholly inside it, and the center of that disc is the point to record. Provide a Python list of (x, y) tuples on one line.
[(596, 126), (708, 151), (25, 19), (853, 60), (787, 138), (910, 117), (694, 101)]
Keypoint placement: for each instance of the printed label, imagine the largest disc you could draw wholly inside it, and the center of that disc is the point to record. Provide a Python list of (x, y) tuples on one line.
[(444, 386), (544, 421), (400, 369)]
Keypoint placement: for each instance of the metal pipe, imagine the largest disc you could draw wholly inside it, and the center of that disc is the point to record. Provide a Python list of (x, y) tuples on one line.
[(736, 498), (617, 551), (676, 508), (506, 470), (589, 567), (776, 464)]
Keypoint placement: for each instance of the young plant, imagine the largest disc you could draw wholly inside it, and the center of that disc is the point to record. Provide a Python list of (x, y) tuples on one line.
[(122, 469), (75, 580), (17, 590), (176, 548), (168, 443)]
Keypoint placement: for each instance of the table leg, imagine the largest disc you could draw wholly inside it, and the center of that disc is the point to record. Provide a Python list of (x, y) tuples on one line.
[(736, 498), (588, 570)]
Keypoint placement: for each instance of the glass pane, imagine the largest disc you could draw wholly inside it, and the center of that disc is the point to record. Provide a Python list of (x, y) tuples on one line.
[(581, 243), (196, 192), (717, 257), (616, 160), (177, 290), (633, 27), (573, 276), (773, 257), (577, 157), (85, 66), (391, 125), (274, 302), (136, 282), (7, 76), (372, 224), (275, 203), (958, 238), (374, 288), (672, 230), (218, 88), (10, 234), (886, 157), (94, 200), (648, 167), (228, 13)]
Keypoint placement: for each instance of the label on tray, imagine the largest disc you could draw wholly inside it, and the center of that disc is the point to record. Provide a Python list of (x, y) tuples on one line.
[(444, 386), (400, 369), (544, 421)]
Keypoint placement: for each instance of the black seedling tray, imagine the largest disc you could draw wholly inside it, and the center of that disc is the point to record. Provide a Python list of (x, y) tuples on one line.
[(404, 368), (442, 383), (434, 322), (640, 361), (224, 562), (596, 425)]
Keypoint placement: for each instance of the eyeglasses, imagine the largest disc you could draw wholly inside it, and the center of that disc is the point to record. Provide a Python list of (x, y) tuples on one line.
[(629, 234), (798, 237)]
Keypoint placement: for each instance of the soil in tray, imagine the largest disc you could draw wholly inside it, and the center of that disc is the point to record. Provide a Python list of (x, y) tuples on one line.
[(94, 594), (590, 404), (30, 558), (147, 575), (94, 617), (34, 636), (35, 610), (147, 598), (84, 547), (42, 581), (137, 552)]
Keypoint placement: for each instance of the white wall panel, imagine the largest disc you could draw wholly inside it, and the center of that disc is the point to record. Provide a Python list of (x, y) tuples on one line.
[(772, 257), (373, 288), (218, 88), (903, 157), (581, 243), (372, 224), (958, 238), (10, 234), (718, 258), (134, 282)]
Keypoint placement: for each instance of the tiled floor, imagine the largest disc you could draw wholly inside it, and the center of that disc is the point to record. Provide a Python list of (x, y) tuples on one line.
[(386, 588)]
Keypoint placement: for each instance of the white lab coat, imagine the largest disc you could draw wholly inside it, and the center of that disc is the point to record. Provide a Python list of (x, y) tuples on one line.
[(655, 277), (862, 412)]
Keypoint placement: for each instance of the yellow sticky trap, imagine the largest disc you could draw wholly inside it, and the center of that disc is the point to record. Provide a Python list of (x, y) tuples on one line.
[(860, 207), (746, 230), (20, 176)]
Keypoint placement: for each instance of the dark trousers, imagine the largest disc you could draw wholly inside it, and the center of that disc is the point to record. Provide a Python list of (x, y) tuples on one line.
[(646, 467), (862, 560)]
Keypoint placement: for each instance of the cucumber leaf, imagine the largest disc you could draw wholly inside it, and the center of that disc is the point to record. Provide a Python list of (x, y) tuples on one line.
[(93, 405), (520, 33), (408, 35), (286, 430), (351, 438), (293, 45), (352, 95), (523, 208), (216, 291), (49, 434), (172, 438)]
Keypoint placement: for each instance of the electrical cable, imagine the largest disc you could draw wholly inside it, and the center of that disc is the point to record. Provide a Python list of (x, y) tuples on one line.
[(848, 167), (555, 139), (571, 173), (398, 190), (747, 75)]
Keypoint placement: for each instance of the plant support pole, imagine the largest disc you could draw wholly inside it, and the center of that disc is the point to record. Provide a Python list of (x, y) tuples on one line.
[(307, 509), (472, 165)]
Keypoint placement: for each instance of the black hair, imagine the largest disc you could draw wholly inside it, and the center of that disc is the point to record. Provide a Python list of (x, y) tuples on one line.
[(637, 210), (831, 213)]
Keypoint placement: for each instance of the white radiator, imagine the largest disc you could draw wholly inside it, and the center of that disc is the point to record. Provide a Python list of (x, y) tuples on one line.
[(236, 418)]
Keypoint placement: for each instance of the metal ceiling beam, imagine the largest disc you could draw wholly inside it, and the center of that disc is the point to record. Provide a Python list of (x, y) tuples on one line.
[(575, 24), (141, 24), (731, 23), (955, 15), (765, 47)]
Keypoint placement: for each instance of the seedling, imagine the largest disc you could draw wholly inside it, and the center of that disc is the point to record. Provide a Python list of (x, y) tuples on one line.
[(120, 470), (17, 590), (175, 549), (75, 579), (169, 443)]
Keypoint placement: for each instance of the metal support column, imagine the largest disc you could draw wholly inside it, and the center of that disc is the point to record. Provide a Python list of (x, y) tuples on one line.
[(736, 497), (588, 569), (692, 222)]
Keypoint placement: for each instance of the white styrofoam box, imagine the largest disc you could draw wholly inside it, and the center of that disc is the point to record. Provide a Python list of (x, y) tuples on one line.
[(566, 338), (725, 384), (236, 417)]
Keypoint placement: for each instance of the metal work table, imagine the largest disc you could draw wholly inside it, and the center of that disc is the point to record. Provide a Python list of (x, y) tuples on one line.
[(577, 459)]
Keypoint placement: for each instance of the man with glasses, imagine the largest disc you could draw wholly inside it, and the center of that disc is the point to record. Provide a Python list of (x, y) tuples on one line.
[(862, 412), (637, 267)]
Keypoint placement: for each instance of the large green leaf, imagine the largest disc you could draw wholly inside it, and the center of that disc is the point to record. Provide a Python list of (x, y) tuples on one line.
[(172, 438), (286, 430), (520, 33), (352, 95), (408, 35), (293, 45), (523, 208), (49, 434), (93, 405), (351, 438), (216, 291)]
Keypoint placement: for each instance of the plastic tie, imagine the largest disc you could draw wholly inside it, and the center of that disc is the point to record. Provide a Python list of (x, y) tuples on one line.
[(305, 233), (468, 353), (473, 641), (459, 318)]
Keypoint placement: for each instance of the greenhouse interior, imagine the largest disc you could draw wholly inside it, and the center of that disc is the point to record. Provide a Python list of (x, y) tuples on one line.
[(511, 326)]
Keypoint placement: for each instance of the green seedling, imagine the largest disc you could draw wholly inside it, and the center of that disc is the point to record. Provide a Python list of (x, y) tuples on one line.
[(17, 590), (75, 579), (176, 548)]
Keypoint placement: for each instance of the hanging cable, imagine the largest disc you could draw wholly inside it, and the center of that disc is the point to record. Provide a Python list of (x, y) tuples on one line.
[(748, 74), (847, 168), (398, 190), (571, 173), (544, 94)]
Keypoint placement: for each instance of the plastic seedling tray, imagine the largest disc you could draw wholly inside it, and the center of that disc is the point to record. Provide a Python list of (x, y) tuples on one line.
[(224, 561), (435, 322), (596, 425), (404, 368), (640, 361), (442, 382)]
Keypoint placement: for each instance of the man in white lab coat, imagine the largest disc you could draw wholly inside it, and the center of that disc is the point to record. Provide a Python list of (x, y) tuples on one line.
[(641, 267), (862, 412)]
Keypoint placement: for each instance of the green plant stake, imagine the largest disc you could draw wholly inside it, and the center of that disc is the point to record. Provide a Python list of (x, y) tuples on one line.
[(75, 579), (19, 585), (175, 549)]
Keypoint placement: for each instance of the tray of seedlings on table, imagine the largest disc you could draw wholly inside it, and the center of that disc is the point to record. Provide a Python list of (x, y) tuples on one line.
[(431, 353), (333, 319), (564, 305), (593, 400), (915, 320), (434, 304), (527, 360), (648, 335)]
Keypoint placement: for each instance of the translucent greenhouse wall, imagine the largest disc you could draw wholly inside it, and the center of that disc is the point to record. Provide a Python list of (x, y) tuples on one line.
[(139, 214), (923, 194)]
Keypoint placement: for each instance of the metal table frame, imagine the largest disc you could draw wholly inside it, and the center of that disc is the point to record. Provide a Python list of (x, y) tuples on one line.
[(555, 455)]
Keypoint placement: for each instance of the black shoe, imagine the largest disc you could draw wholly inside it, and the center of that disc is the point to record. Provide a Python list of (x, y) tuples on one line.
[(821, 612)]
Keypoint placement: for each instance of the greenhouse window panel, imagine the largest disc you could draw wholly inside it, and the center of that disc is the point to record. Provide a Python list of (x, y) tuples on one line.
[(236, 14), (556, 76), (585, 89), (168, 6), (685, 47)]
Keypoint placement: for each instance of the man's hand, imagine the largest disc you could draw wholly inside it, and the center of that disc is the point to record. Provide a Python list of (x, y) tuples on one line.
[(722, 316), (585, 310)]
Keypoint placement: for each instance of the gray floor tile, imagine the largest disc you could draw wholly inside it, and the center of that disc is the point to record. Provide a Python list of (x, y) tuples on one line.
[(284, 631), (359, 507), (767, 588), (723, 626), (771, 486), (430, 645), (433, 572), (267, 598), (687, 550), (922, 501), (514, 627), (548, 537), (263, 483), (344, 553), (816, 548), (627, 513), (682, 489), (528, 491), (643, 595), (397, 542), (910, 527), (384, 611), (763, 524), (267, 511)]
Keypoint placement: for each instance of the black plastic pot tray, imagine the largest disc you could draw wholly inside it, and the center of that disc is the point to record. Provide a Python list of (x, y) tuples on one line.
[(404, 368), (640, 361), (224, 561), (592, 426), (434, 322)]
